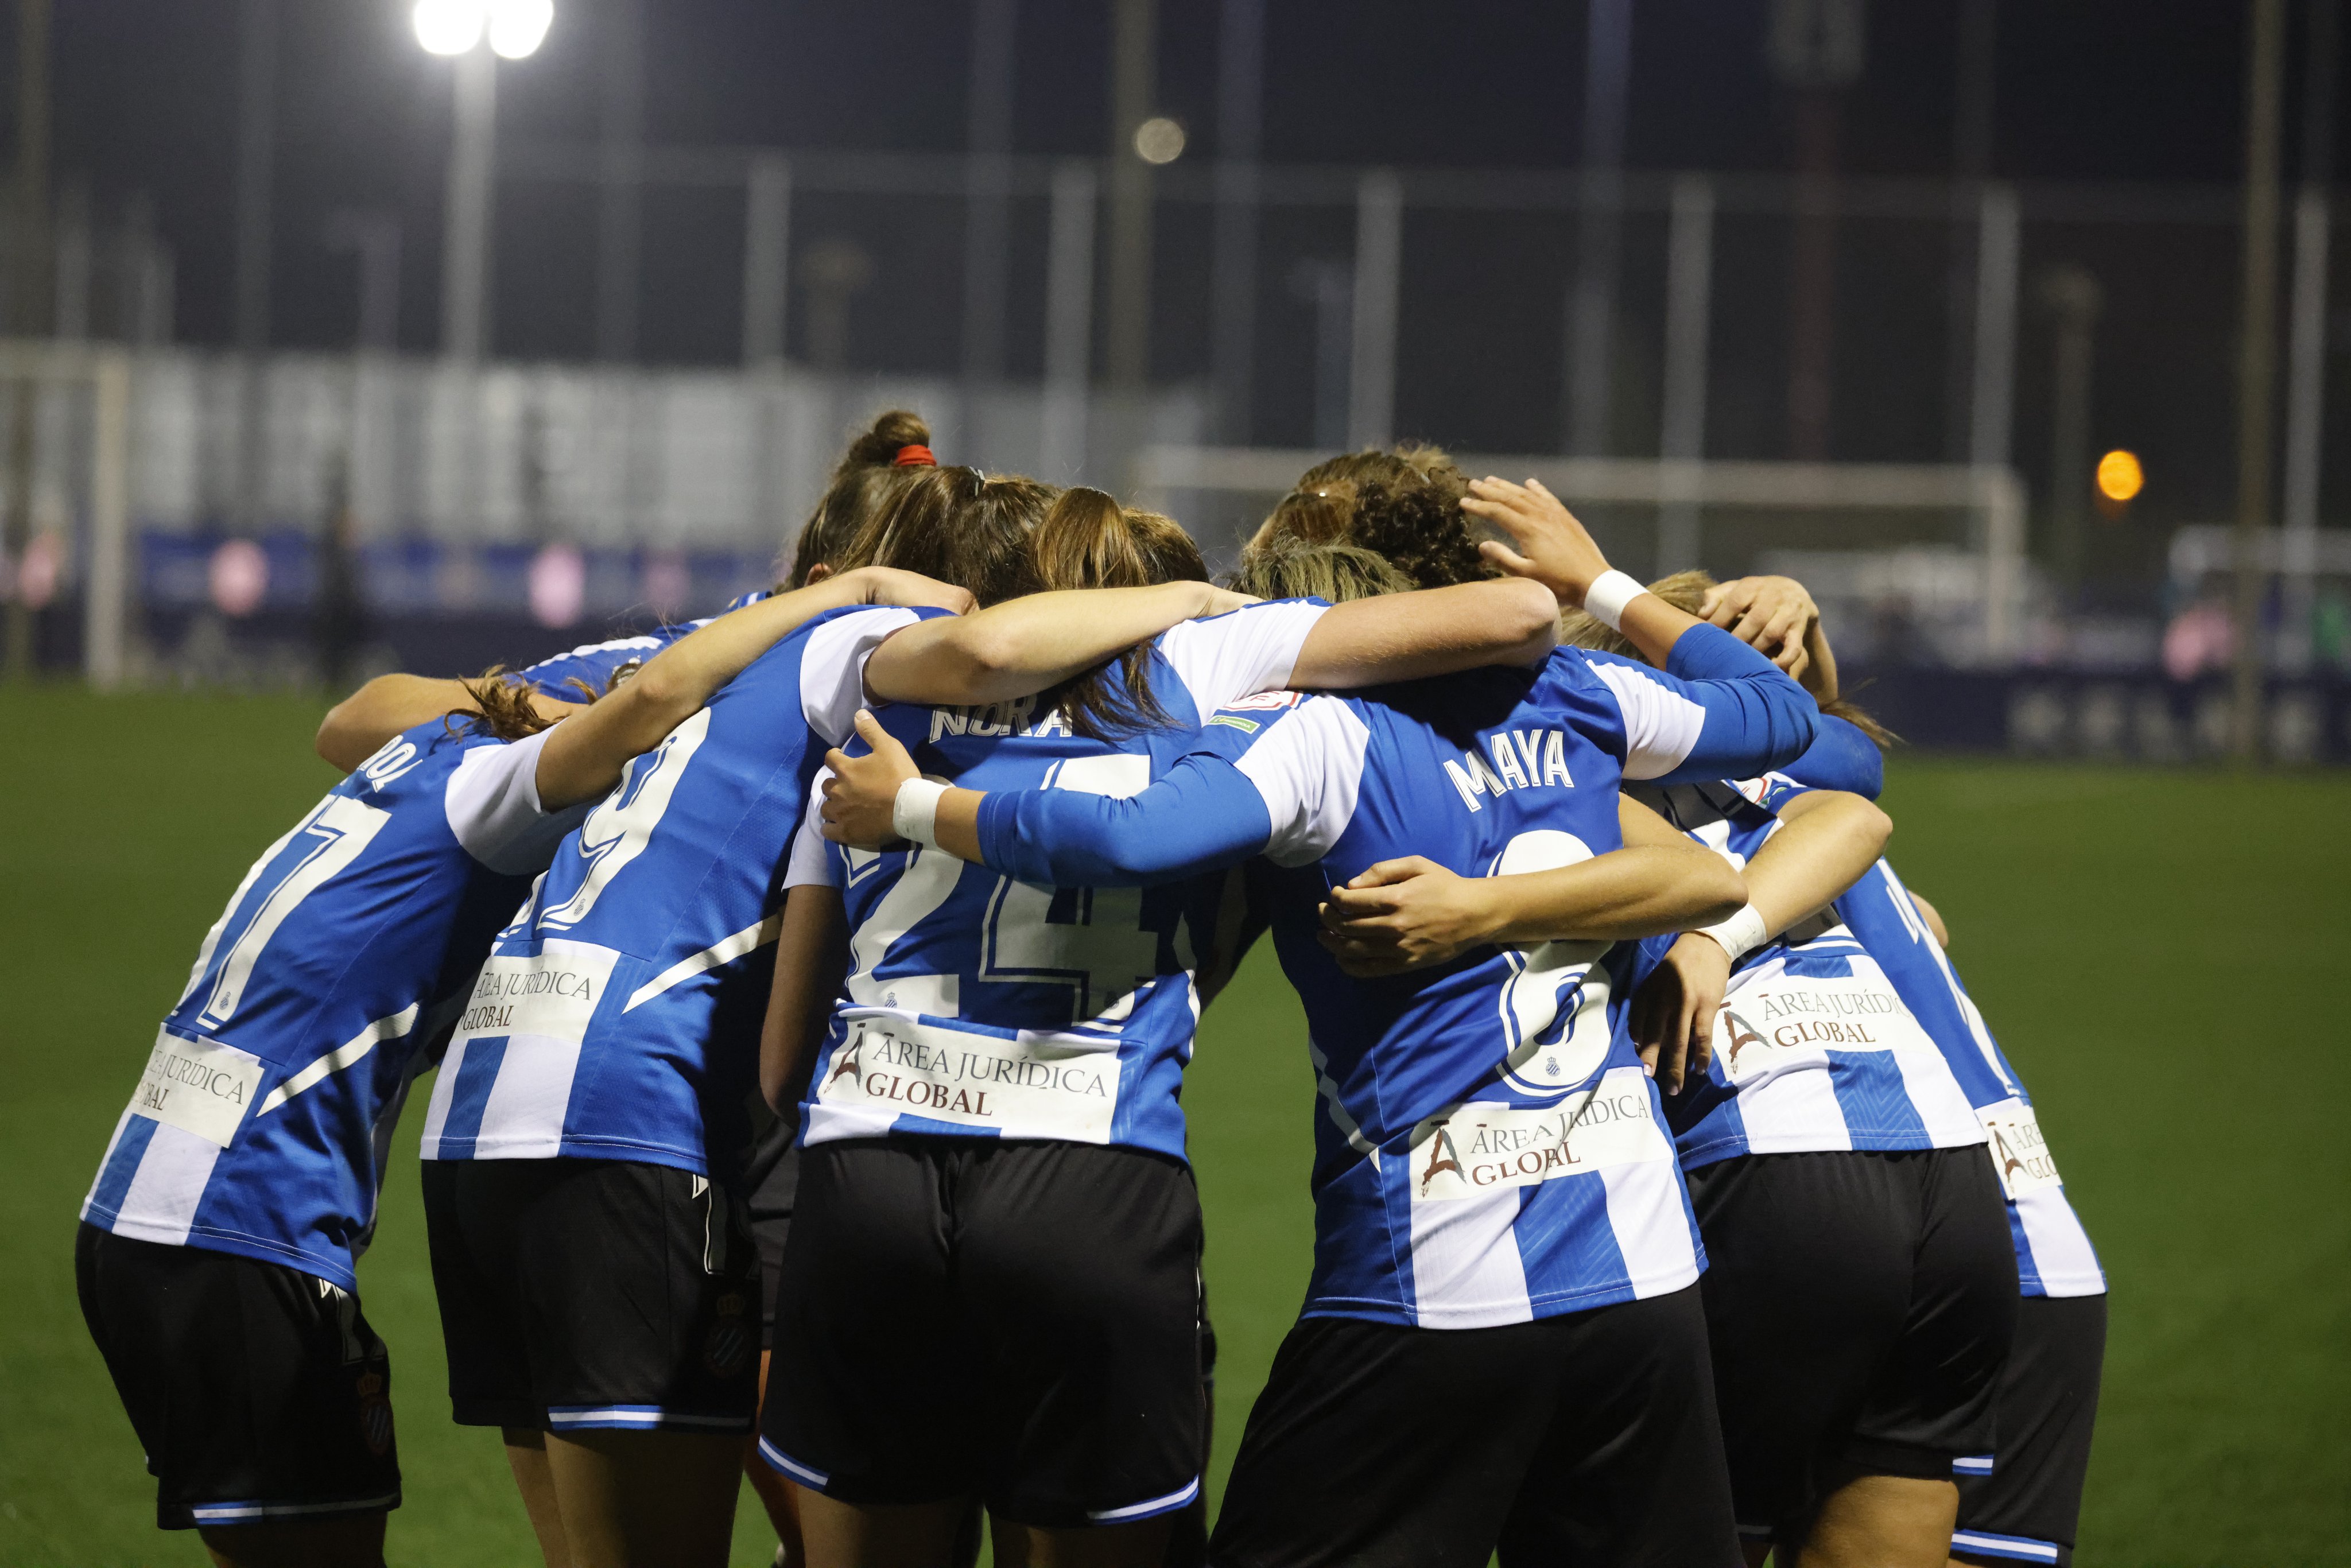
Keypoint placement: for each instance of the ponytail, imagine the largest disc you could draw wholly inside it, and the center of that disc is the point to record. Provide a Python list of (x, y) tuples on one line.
[(1089, 541), (956, 524)]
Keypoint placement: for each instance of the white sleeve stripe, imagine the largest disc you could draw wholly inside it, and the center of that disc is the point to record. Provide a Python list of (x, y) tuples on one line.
[(344, 1055), (725, 950), (810, 862), (1661, 724), (492, 799), (832, 669), (1309, 771), (1250, 650)]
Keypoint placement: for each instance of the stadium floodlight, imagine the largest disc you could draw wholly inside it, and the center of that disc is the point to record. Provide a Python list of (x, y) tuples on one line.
[(1159, 139), (518, 27), (448, 27)]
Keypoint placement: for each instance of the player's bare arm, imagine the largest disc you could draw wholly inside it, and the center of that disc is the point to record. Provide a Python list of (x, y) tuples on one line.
[(1555, 549), (1434, 631), (1020, 646), (356, 727), (583, 758), (1828, 840), (811, 958), (1412, 912)]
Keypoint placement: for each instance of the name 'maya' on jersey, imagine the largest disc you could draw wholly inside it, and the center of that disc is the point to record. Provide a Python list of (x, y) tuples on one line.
[(259, 1124), (2053, 1255), (1488, 1149), (978, 1004), (618, 1018), (1815, 1046)]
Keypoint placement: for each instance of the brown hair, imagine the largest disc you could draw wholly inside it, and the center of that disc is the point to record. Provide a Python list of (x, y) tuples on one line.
[(957, 524), (1400, 502), (1686, 590), (1287, 567), (863, 481), (1089, 541), (502, 701)]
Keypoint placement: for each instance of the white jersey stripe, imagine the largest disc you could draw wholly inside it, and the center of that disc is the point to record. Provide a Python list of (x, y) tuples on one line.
[(1645, 1210), (161, 1204), (524, 1117), (750, 939), (1466, 1268), (344, 1055)]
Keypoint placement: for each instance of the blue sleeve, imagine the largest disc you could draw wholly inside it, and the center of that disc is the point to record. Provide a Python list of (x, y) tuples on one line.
[(1755, 717), (1205, 815), (1842, 759)]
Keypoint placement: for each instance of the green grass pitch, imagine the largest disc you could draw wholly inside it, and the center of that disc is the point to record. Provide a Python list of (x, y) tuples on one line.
[(2162, 953)]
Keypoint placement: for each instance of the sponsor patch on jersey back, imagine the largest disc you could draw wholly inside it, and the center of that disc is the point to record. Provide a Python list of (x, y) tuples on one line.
[(199, 1086), (2019, 1152), (1036, 1086), (1478, 1147), (551, 994), (1761, 1026)]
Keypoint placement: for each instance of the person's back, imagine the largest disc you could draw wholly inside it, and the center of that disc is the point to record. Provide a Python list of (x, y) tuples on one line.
[(619, 1014)]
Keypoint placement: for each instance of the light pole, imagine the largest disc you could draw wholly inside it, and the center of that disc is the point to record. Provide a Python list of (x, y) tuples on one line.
[(513, 30)]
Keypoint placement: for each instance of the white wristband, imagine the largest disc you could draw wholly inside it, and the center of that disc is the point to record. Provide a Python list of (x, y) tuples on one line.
[(914, 814), (1739, 936), (1605, 599)]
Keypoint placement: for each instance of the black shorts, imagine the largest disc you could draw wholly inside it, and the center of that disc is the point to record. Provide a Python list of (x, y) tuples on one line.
[(1015, 1320), (581, 1295), (1587, 1440), (2025, 1511), (770, 1185), (259, 1392), (1860, 1307)]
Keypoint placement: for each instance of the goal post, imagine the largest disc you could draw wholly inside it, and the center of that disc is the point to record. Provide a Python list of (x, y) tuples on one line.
[(103, 505), (1993, 498)]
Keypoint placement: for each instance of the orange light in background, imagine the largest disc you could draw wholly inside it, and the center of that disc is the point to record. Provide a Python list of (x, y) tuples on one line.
[(2120, 478)]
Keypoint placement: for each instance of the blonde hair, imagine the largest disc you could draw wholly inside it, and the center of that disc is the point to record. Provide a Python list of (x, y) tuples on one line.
[(1288, 566)]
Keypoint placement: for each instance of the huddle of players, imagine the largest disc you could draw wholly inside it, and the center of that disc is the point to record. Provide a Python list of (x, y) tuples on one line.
[(1651, 1215)]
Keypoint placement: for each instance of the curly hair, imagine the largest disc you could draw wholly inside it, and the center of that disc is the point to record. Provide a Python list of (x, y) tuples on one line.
[(1402, 502)]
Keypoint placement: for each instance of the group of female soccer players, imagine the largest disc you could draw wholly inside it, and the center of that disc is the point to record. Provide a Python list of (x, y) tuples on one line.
[(810, 990)]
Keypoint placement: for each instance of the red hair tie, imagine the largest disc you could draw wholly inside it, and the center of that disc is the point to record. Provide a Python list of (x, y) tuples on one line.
[(914, 457)]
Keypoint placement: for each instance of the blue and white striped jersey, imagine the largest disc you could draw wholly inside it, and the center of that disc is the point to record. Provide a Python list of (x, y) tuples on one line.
[(2053, 1255), (258, 1127), (618, 1018), (1814, 1047), (1488, 1149), (978, 1004)]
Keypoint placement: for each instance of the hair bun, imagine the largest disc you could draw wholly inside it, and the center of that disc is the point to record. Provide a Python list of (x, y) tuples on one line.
[(891, 431)]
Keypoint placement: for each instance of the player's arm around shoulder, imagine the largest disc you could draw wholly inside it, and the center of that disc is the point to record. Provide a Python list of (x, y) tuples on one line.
[(1412, 912), (1433, 632), (584, 757)]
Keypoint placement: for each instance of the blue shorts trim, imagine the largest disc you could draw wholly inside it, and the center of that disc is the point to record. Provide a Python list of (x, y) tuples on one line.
[(1972, 1465), (639, 1418), (2018, 1548), (807, 1475), (1181, 1496)]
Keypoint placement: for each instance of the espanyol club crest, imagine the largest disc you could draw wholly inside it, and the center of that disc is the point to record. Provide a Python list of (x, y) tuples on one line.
[(375, 1415)]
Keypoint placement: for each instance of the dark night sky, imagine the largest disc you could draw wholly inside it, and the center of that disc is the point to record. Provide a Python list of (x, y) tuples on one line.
[(2089, 91)]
